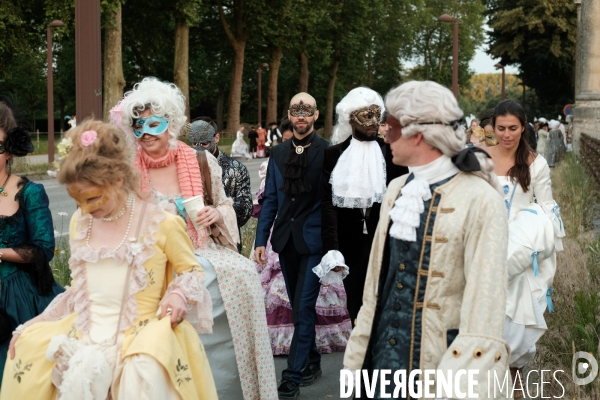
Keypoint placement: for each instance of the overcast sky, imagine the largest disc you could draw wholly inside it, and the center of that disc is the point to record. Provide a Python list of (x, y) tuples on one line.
[(484, 64)]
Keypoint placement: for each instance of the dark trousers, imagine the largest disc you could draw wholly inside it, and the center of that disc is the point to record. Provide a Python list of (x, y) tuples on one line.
[(303, 289), (357, 259)]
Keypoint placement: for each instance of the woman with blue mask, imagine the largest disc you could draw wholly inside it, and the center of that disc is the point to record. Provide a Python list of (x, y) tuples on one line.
[(152, 117)]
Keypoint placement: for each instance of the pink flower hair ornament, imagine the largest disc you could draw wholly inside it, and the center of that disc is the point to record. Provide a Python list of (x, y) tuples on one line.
[(88, 138)]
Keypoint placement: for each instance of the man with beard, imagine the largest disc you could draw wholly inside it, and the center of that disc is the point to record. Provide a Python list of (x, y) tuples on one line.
[(293, 195), (236, 180), (356, 171)]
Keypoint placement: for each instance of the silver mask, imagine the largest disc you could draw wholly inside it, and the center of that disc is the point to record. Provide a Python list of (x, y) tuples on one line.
[(202, 136)]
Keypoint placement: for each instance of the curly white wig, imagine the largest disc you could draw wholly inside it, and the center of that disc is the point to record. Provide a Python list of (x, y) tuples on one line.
[(356, 99), (162, 98), (414, 103)]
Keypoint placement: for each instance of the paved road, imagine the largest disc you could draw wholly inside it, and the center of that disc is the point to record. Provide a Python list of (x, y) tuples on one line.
[(61, 202), (326, 387)]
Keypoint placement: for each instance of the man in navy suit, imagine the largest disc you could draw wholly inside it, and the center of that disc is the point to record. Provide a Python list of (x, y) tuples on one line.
[(292, 206)]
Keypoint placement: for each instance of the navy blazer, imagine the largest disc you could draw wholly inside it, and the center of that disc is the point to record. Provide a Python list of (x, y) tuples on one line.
[(299, 215)]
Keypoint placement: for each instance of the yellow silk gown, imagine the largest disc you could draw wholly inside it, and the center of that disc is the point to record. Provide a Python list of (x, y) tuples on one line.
[(162, 250)]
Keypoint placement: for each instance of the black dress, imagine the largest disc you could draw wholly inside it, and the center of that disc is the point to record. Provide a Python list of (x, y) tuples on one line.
[(253, 136)]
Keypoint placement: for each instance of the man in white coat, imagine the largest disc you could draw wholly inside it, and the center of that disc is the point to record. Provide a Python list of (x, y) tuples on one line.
[(434, 296)]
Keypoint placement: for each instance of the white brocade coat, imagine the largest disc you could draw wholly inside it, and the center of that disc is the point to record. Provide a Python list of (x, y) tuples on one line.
[(466, 285)]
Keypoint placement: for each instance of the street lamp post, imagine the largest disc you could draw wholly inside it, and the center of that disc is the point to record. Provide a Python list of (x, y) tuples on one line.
[(51, 89), (447, 18), (498, 65), (260, 93), (88, 60)]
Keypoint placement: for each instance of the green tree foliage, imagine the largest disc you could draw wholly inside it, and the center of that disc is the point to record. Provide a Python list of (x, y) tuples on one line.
[(343, 44), (540, 37), (433, 39)]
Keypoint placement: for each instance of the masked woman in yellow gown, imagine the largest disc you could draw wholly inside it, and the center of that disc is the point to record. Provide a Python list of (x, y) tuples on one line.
[(121, 330)]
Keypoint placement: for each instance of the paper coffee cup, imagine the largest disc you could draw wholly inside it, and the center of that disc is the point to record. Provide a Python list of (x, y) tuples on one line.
[(192, 206)]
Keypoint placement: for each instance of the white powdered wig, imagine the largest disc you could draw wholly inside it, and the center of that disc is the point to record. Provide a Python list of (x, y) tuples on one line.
[(414, 102), (356, 99), (164, 99), (553, 124)]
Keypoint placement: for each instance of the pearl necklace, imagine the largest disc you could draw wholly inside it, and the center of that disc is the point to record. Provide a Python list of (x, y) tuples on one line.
[(89, 232), (118, 215)]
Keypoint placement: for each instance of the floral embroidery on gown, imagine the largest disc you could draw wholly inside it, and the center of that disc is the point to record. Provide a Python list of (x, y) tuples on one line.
[(240, 333), (333, 325), (89, 310)]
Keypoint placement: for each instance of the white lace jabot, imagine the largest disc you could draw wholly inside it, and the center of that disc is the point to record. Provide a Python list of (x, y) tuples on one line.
[(358, 179), (407, 210)]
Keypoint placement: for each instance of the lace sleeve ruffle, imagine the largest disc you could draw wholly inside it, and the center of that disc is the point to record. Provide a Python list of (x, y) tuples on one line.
[(37, 266), (60, 307), (199, 303)]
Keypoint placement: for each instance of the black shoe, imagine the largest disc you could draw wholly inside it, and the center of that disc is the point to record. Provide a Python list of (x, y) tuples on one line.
[(288, 390), (310, 373)]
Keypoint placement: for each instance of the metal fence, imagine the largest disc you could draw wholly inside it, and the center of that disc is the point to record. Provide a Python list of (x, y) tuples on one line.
[(590, 155)]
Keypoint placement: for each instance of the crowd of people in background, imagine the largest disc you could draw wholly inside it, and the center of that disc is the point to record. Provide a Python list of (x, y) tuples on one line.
[(368, 244), (550, 139)]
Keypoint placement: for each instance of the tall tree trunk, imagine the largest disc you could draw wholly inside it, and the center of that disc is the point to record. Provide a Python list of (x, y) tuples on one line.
[(330, 91), (235, 91), (238, 42), (303, 80), (220, 109), (114, 80), (276, 53), (181, 75)]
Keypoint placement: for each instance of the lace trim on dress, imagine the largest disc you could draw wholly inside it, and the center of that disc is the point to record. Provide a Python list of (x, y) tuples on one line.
[(129, 253), (199, 303), (60, 307), (407, 210)]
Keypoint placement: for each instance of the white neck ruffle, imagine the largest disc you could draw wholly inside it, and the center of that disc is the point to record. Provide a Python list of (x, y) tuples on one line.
[(407, 210), (359, 179)]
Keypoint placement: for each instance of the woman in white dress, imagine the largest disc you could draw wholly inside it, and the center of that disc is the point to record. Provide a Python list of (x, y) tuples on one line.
[(239, 148), (525, 177)]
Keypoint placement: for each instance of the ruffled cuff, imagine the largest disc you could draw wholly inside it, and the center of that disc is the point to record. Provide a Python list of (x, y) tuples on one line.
[(325, 272), (480, 352), (199, 303), (61, 306)]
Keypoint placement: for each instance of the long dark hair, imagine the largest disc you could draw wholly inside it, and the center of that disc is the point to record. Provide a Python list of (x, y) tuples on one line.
[(519, 171), (206, 180)]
